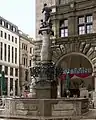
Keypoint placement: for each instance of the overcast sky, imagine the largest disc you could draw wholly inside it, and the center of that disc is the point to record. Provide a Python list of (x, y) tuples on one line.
[(21, 13)]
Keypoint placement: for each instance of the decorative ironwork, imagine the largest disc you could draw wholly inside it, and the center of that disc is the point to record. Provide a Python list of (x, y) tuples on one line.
[(77, 70), (72, 71), (43, 71), (50, 71)]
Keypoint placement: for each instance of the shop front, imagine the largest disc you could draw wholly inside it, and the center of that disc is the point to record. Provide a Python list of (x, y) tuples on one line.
[(75, 74)]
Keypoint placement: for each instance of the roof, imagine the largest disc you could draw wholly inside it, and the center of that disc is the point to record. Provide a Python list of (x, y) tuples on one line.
[(26, 36)]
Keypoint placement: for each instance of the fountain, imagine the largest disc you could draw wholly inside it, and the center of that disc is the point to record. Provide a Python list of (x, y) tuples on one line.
[(43, 104), (44, 73)]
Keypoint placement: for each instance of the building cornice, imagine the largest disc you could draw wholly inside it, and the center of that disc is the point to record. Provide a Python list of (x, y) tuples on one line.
[(76, 38)]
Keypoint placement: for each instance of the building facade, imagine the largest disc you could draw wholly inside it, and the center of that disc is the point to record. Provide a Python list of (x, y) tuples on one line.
[(26, 55), (73, 44), (9, 56)]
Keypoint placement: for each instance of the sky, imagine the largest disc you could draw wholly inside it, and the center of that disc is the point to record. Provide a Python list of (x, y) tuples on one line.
[(20, 13)]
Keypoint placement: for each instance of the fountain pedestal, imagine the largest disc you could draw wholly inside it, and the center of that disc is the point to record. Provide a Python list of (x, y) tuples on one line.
[(43, 90), (44, 73)]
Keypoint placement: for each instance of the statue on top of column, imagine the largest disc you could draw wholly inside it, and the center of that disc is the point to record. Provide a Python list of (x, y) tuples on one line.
[(46, 22), (47, 11)]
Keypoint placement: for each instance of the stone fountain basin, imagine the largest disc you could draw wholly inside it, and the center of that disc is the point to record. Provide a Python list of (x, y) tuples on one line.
[(28, 107)]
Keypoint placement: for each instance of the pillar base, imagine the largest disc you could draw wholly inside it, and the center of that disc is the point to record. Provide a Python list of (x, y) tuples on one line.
[(42, 90)]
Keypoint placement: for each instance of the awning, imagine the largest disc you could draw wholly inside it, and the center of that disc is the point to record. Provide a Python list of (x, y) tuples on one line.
[(79, 75)]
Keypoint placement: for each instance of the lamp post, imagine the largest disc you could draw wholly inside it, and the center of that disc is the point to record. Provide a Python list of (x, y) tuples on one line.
[(67, 85), (2, 81)]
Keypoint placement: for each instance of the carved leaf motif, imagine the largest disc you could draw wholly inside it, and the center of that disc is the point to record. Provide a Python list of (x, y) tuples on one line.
[(82, 45), (93, 55), (72, 47), (86, 49), (67, 48), (55, 54), (90, 51), (58, 51), (62, 48), (77, 46)]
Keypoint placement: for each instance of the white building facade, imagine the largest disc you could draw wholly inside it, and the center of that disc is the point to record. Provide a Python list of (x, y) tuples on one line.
[(26, 55), (9, 56)]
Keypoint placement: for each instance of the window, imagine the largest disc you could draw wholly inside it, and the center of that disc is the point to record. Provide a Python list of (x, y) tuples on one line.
[(3, 23), (12, 54), (8, 53), (89, 28), (11, 71), (8, 37), (16, 87), (81, 30), (6, 70), (15, 55), (1, 34), (16, 72), (12, 39), (8, 26), (14, 29), (24, 62), (64, 1), (26, 47), (0, 68), (26, 75), (5, 54), (0, 22), (85, 24), (15, 40), (6, 85), (11, 86), (64, 28), (30, 62), (30, 50), (89, 19), (22, 45), (81, 20), (1, 51), (5, 36)]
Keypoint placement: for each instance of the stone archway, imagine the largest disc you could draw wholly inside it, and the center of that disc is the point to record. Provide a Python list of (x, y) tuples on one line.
[(76, 61), (85, 49), (75, 54)]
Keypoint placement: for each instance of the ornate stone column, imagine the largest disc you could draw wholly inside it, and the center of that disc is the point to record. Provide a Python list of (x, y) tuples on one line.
[(46, 53), (94, 75), (59, 89), (95, 83), (43, 86), (94, 92), (44, 73)]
